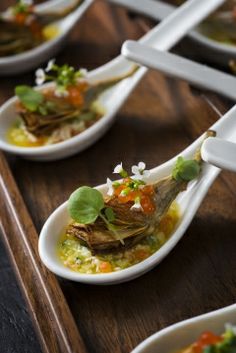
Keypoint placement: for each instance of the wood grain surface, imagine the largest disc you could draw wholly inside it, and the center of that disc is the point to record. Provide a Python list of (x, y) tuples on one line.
[(159, 119)]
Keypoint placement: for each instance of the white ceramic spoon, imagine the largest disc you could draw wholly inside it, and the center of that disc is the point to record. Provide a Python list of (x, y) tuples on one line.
[(183, 334), (163, 37), (215, 151), (189, 202), (210, 49), (14, 64), (173, 65), (220, 153)]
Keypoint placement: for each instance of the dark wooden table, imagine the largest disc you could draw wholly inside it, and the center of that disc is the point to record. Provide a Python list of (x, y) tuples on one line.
[(159, 119)]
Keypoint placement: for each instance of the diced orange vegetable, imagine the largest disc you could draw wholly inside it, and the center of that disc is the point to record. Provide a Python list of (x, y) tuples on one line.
[(105, 266)]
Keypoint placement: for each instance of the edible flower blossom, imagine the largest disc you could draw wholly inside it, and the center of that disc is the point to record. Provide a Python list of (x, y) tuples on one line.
[(64, 76), (110, 191), (40, 77), (133, 189), (50, 65), (137, 205), (120, 170), (139, 171)]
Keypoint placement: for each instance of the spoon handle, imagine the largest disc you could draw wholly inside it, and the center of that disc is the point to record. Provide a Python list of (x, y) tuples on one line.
[(178, 67), (163, 37), (220, 153)]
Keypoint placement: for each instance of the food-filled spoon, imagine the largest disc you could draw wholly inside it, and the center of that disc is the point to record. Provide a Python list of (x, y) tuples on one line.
[(177, 337), (173, 65), (163, 37), (31, 58), (188, 201)]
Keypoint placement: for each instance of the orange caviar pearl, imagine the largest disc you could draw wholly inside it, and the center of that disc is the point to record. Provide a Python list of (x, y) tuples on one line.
[(20, 18), (148, 190), (147, 204), (76, 93)]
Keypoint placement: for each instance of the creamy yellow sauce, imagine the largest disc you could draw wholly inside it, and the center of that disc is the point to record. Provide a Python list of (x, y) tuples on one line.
[(51, 31), (79, 258)]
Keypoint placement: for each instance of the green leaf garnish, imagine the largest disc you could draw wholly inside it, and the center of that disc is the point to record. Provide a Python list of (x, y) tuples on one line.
[(186, 170), (109, 214), (85, 204), (30, 98)]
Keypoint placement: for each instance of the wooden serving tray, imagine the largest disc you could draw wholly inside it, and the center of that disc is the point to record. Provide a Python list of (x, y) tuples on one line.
[(160, 119)]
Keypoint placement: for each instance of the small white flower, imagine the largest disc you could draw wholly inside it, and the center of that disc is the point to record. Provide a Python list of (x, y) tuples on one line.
[(118, 169), (40, 77), (50, 65), (139, 171), (137, 205), (83, 72), (61, 92), (110, 187), (230, 327)]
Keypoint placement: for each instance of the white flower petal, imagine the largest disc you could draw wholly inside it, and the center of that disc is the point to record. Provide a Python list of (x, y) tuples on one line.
[(40, 77), (61, 93), (135, 169), (136, 206), (118, 169), (141, 166), (110, 187), (146, 173), (83, 72), (50, 65)]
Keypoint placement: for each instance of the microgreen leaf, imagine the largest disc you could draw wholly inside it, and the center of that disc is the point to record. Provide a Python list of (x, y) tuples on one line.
[(30, 98), (185, 169), (85, 204), (109, 214)]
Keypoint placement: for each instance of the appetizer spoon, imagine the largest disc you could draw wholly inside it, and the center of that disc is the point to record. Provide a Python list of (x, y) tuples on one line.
[(183, 334), (220, 153), (181, 68), (211, 49), (189, 202), (22, 62), (163, 37)]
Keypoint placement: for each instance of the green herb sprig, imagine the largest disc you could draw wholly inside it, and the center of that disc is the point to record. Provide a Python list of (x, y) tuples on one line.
[(86, 204), (34, 101), (186, 169), (63, 76), (21, 7)]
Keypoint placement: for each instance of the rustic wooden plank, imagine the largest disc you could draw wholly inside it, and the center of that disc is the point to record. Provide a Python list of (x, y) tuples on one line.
[(50, 312)]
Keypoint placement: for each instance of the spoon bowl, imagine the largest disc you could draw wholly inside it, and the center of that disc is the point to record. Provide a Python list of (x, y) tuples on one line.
[(164, 36), (183, 334), (32, 58)]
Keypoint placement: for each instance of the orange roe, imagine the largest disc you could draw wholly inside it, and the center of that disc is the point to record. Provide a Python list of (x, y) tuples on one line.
[(105, 266), (206, 339), (20, 18), (145, 194), (76, 93)]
